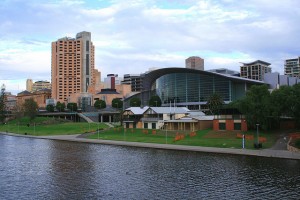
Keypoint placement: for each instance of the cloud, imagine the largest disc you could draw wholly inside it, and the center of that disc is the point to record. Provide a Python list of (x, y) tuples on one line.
[(131, 36)]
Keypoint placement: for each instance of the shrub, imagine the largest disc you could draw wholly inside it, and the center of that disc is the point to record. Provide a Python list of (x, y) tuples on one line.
[(297, 143)]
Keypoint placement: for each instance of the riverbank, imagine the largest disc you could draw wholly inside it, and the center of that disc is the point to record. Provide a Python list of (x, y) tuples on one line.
[(261, 153)]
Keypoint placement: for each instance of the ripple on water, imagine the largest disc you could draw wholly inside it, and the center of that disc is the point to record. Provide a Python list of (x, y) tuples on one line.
[(44, 169)]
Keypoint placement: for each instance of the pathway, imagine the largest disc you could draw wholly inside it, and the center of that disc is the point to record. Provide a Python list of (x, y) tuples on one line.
[(262, 152)]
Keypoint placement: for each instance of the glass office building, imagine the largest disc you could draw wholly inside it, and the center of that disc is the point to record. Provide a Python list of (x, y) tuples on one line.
[(192, 88)]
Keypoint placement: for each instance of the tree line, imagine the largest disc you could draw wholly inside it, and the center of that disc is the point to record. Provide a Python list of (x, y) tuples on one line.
[(268, 109)]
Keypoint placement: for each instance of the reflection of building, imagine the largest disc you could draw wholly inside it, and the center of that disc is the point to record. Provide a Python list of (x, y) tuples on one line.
[(292, 67), (194, 62), (255, 70), (191, 88), (39, 97), (72, 68)]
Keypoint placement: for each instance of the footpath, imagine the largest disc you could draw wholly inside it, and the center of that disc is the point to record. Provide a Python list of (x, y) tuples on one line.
[(272, 153)]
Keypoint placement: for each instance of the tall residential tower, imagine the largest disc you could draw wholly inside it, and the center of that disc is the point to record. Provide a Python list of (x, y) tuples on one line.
[(72, 65), (255, 70), (292, 67)]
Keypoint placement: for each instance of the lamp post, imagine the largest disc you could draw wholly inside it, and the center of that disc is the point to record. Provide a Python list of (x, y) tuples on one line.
[(166, 126), (98, 130), (257, 137)]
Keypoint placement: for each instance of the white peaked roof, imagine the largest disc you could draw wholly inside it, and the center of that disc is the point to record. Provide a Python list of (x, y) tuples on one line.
[(172, 110), (196, 113), (137, 110)]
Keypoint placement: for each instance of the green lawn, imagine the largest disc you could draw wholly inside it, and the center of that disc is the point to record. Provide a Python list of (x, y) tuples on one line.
[(49, 126), (45, 126), (207, 138)]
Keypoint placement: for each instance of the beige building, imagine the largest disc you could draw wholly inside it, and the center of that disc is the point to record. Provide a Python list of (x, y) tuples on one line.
[(72, 67), (40, 85), (255, 70), (29, 84), (40, 97), (194, 62)]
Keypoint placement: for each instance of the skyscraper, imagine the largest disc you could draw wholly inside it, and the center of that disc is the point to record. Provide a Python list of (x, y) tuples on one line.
[(194, 62), (72, 65)]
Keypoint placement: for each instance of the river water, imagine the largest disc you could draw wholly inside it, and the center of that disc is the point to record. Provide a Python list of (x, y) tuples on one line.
[(48, 169)]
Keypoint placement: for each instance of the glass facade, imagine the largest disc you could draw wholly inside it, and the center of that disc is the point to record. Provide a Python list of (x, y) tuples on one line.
[(191, 87)]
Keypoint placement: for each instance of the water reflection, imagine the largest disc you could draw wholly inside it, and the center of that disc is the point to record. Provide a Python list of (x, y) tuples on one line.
[(45, 169)]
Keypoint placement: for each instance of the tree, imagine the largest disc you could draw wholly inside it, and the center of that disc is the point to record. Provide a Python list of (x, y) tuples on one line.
[(50, 108), (99, 104), (283, 102), (30, 108), (135, 102), (72, 107), (60, 106), (2, 104), (215, 103), (155, 101), (256, 105), (117, 103), (295, 109)]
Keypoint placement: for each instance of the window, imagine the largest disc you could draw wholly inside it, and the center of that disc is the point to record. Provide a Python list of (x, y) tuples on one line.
[(146, 125), (153, 125), (237, 126), (222, 126)]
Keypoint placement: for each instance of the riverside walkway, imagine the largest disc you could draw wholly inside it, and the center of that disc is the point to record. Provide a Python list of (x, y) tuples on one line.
[(261, 152)]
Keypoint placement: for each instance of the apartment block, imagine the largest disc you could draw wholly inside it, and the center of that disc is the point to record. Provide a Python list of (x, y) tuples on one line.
[(292, 67), (72, 66), (255, 70), (194, 62)]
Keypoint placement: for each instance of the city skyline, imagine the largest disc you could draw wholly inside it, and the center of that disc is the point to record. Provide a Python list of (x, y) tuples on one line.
[(133, 36)]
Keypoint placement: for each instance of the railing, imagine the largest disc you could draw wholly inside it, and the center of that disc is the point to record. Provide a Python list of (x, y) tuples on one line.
[(151, 119)]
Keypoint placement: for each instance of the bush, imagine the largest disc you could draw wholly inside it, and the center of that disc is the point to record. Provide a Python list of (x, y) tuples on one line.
[(297, 143)]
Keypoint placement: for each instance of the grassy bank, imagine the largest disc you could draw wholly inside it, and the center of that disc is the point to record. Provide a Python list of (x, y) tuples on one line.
[(49, 126), (207, 138), (43, 126)]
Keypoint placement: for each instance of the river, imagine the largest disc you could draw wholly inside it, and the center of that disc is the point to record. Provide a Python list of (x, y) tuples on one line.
[(47, 169)]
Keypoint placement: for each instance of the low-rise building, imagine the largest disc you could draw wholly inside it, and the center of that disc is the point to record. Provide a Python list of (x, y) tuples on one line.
[(39, 97)]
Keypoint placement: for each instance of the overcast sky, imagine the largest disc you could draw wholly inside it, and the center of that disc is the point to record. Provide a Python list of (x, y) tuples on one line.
[(134, 35)]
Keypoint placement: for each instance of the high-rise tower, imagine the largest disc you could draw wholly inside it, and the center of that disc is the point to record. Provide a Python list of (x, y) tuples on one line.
[(72, 65), (194, 62)]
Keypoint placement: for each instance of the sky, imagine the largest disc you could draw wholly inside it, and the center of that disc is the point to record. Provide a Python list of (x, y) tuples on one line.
[(134, 35)]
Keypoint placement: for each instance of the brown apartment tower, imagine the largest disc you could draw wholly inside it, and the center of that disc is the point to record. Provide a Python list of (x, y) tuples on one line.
[(72, 66), (194, 62)]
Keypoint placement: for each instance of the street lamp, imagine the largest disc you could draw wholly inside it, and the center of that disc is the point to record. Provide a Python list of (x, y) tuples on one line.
[(166, 126), (257, 137), (155, 103)]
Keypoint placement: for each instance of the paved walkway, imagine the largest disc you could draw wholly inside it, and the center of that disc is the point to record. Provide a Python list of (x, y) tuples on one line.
[(262, 152)]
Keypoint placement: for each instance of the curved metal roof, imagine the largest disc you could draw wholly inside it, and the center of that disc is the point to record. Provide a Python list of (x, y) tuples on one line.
[(155, 74)]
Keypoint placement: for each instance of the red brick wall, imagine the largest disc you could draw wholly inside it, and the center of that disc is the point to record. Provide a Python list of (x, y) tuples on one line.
[(229, 125), (215, 125), (244, 125)]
